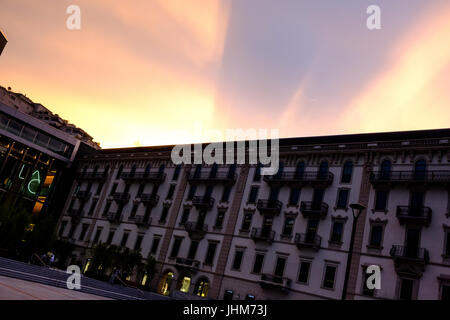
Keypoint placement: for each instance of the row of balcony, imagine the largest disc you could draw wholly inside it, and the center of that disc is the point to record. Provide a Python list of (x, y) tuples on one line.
[(302, 178), (409, 177), (227, 178), (309, 209), (302, 240), (155, 177)]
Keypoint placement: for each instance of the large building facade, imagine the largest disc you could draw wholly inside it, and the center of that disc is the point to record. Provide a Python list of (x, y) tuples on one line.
[(226, 232)]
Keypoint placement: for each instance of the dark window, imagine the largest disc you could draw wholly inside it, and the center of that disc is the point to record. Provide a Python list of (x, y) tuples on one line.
[(99, 188), (330, 274), (294, 196), (110, 236), (231, 171), (385, 171), (347, 172), (114, 188), (164, 213), (137, 245), (228, 295), (420, 169), (191, 193), (247, 221), (299, 170), (210, 253), (107, 206), (185, 216), (445, 293), (381, 199), (155, 245), (257, 176), (213, 172), (288, 226), (249, 297), (342, 198), (376, 235), (119, 172), (279, 266), (133, 171), (123, 243), (133, 210), (147, 171), (84, 228), (176, 172), (193, 250), (447, 243), (406, 289), (140, 190), (62, 228), (219, 219), (175, 247), (304, 271), (336, 233), (323, 170), (226, 193), (238, 259), (98, 233), (253, 194), (171, 191), (92, 208), (257, 266)]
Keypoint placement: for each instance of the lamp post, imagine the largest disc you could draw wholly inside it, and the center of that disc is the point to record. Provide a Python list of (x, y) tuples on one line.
[(357, 208), (3, 42)]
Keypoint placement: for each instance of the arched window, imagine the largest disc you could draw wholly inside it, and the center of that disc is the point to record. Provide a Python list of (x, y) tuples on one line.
[(420, 169), (347, 172), (201, 287), (385, 170), (323, 170), (299, 170), (166, 282)]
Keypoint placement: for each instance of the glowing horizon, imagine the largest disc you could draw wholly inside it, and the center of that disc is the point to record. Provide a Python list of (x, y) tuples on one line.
[(147, 73)]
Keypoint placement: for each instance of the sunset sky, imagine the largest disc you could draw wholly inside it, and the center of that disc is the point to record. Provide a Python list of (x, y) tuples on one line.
[(150, 72)]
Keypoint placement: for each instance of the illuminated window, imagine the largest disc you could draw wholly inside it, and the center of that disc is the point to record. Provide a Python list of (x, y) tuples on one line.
[(186, 283), (201, 288)]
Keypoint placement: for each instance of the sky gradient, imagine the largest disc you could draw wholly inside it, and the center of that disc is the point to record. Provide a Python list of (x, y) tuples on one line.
[(150, 72)]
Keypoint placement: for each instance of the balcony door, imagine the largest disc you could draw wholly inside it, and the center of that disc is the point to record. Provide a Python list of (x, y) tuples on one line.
[(279, 268), (420, 170), (267, 226), (299, 170), (311, 230), (201, 219), (416, 202), (323, 171), (273, 196), (213, 172), (279, 173), (317, 199), (412, 242)]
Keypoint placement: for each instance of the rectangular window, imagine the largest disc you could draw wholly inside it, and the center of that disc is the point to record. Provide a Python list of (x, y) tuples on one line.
[(110, 236), (209, 258), (342, 198), (447, 242), (62, 228), (445, 292), (175, 247), (137, 244), (279, 267), (171, 191), (84, 228), (253, 194), (113, 189), (336, 232), (238, 259), (294, 196), (191, 193), (226, 193), (406, 289), (376, 235), (99, 188), (330, 275), (164, 214), (185, 216), (98, 233), (381, 200), (257, 176), (134, 210), (247, 221), (219, 219), (288, 226), (92, 208), (140, 190), (123, 243), (176, 172), (257, 266), (155, 245), (303, 273), (193, 250), (107, 206)]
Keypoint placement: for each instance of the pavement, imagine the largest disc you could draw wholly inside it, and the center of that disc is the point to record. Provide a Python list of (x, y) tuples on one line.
[(16, 289)]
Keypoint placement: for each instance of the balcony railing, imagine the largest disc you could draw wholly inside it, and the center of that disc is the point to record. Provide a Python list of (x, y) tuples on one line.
[(149, 199), (389, 177), (311, 209), (121, 196), (83, 194), (269, 206), (414, 215), (203, 202), (206, 176), (196, 230), (141, 221), (301, 178), (158, 177), (113, 217), (410, 253), (272, 280), (305, 240), (189, 263), (262, 234), (91, 175)]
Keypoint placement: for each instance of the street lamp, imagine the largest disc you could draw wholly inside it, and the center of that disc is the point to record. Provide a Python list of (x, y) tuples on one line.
[(357, 208), (3, 42)]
